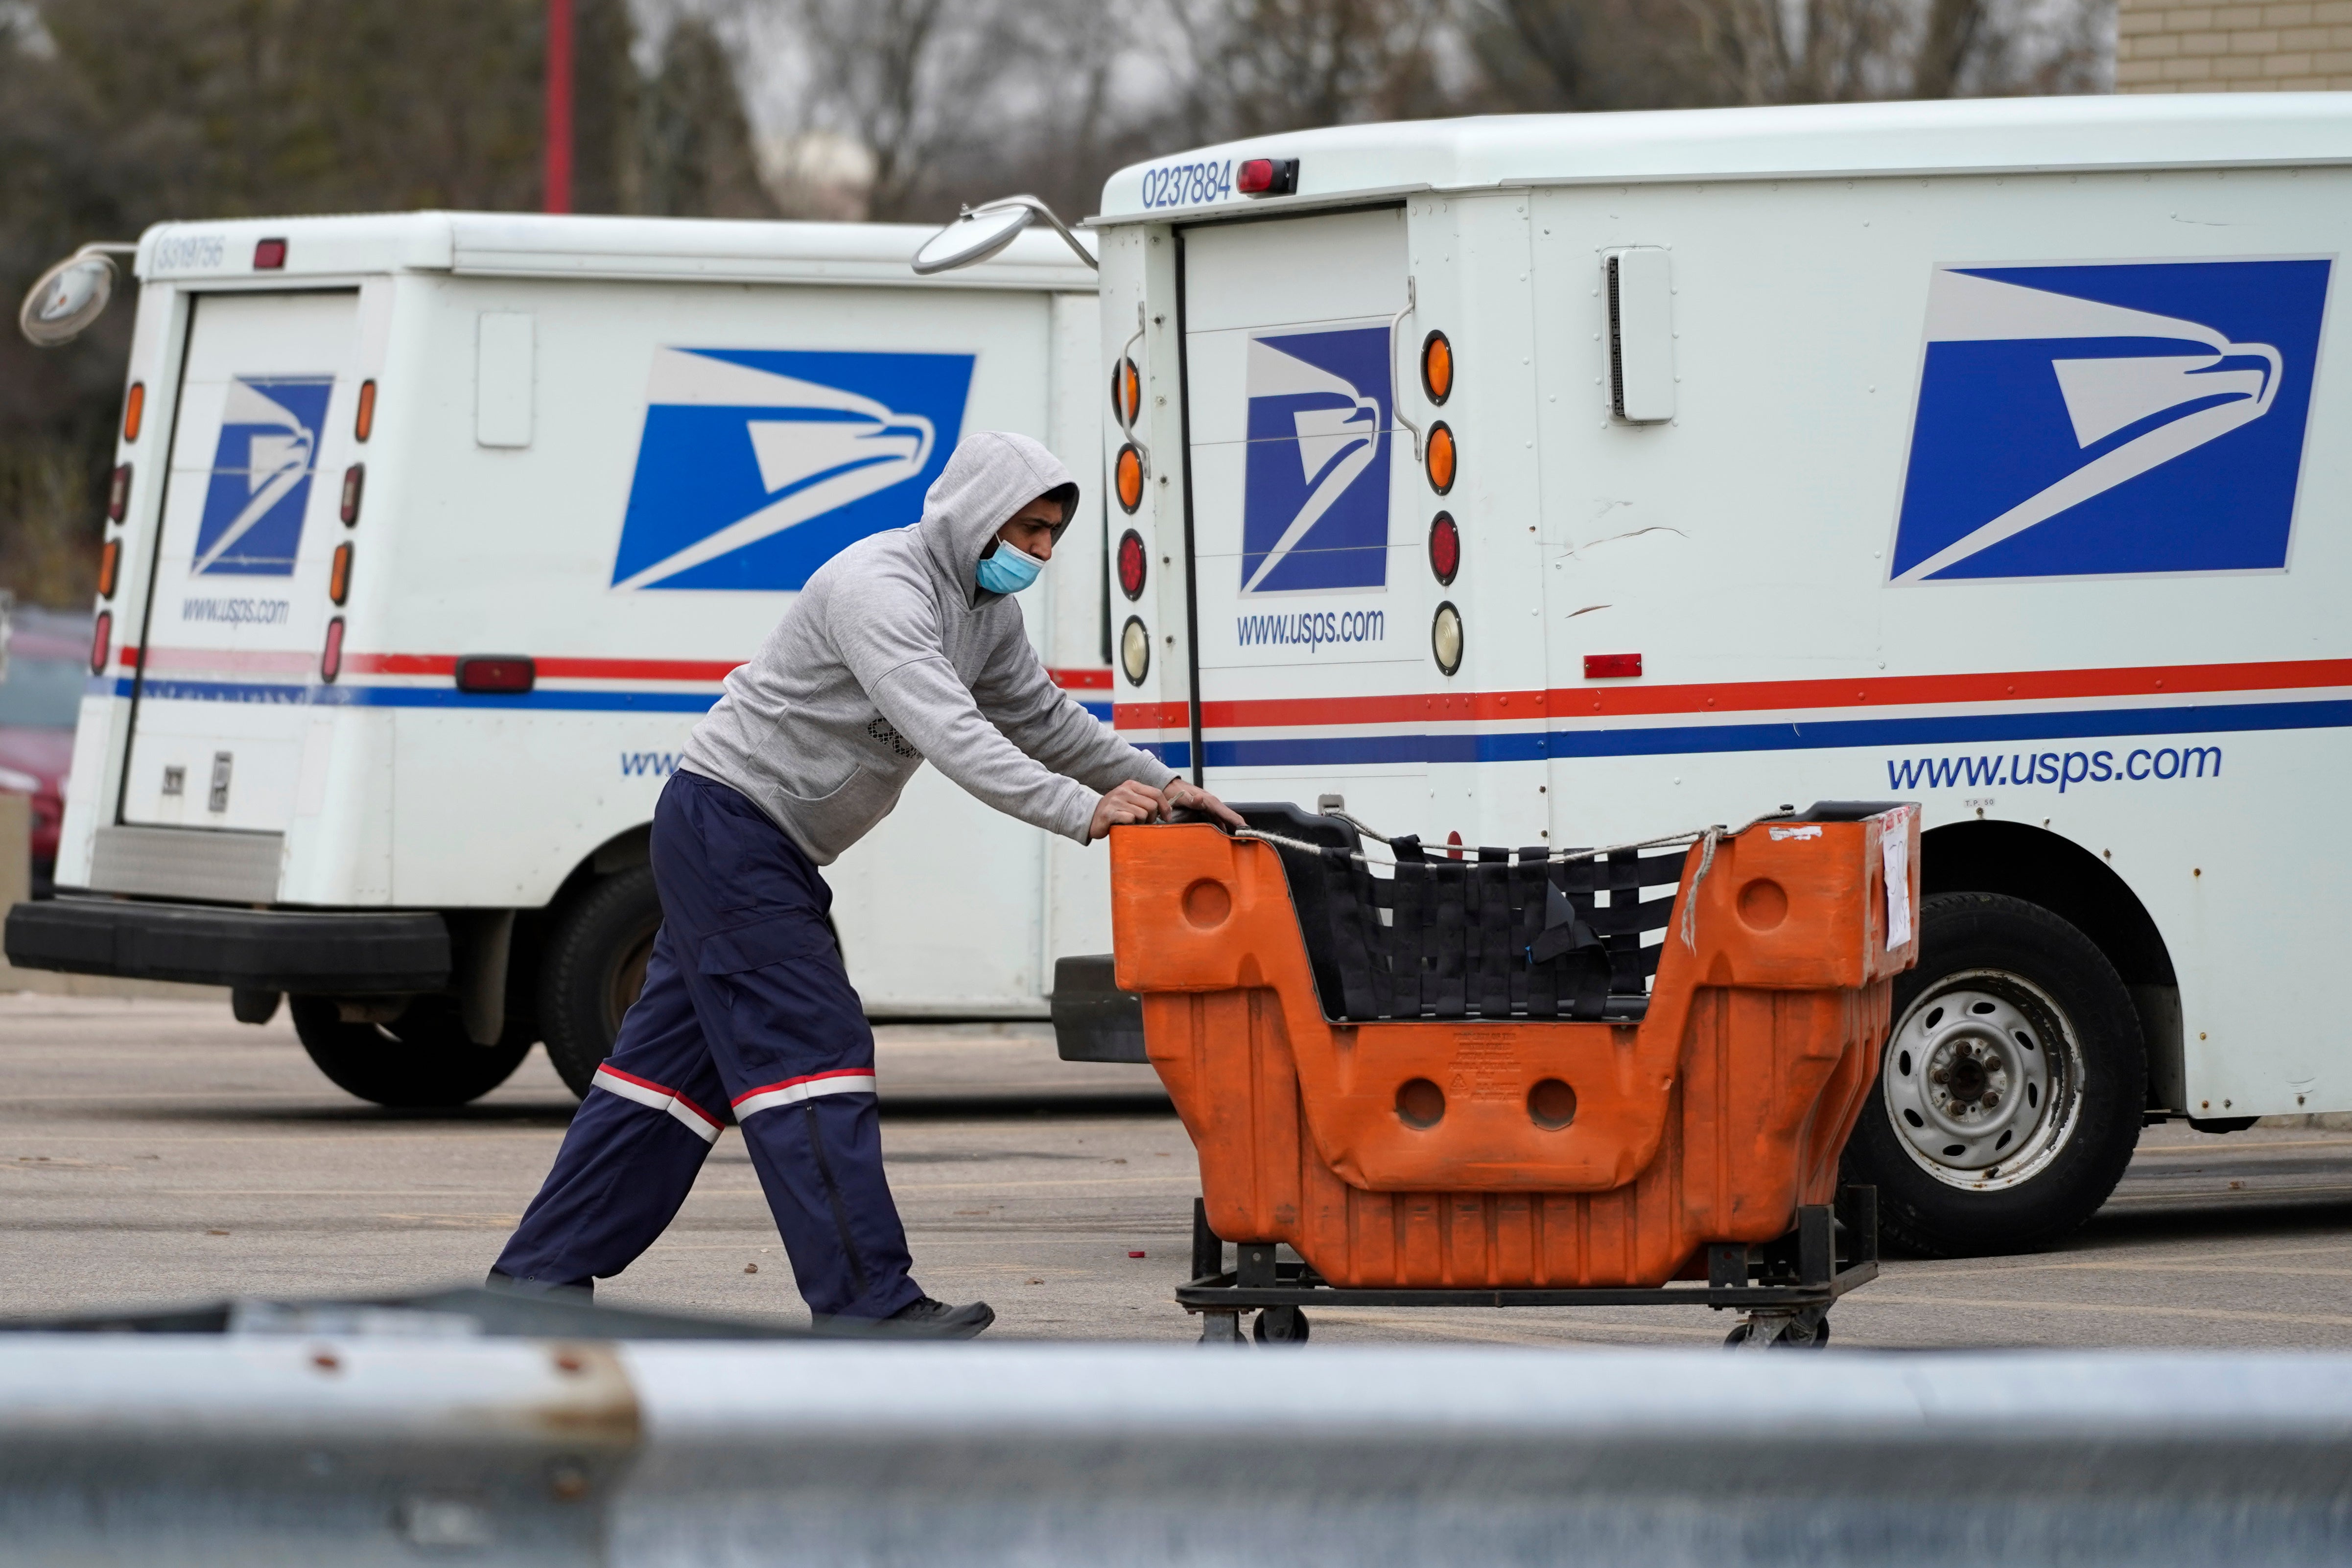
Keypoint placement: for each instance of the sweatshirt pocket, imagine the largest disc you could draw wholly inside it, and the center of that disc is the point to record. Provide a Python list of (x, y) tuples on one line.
[(839, 819)]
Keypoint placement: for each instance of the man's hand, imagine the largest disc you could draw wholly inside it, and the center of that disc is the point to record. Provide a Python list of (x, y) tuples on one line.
[(1127, 802), (1184, 797)]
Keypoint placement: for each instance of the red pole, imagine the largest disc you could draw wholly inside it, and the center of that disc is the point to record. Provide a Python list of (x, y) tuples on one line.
[(557, 179)]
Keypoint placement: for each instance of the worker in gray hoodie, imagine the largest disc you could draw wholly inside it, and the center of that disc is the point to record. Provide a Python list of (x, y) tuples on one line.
[(906, 647)]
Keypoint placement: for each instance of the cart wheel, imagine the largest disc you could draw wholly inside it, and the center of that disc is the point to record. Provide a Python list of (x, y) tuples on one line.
[(1790, 1334), (1279, 1325)]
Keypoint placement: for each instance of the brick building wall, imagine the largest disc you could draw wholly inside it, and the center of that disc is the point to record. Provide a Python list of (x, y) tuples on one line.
[(2173, 45)]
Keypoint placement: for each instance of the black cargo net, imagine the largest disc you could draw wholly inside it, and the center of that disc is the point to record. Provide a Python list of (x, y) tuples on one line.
[(1532, 933)]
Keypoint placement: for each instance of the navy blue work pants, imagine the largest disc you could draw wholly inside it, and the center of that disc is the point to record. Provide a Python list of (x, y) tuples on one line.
[(745, 1006)]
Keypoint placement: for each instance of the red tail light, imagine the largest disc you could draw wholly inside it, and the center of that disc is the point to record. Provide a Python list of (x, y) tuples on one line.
[(1266, 177), (1131, 564), (509, 673), (101, 640), (1444, 547), (1612, 666), (354, 477), (268, 254), (118, 492), (330, 659)]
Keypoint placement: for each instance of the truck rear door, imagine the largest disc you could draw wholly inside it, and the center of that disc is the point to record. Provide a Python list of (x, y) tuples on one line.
[(239, 609), (1306, 608)]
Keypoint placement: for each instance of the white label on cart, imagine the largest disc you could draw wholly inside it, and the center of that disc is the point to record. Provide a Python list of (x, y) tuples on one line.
[(1811, 831), (1895, 849)]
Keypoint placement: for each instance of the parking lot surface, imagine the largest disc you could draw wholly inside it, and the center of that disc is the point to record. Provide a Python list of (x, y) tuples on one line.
[(158, 1152)]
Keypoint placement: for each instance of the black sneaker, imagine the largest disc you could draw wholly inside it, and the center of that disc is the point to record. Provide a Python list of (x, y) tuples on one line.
[(924, 1319)]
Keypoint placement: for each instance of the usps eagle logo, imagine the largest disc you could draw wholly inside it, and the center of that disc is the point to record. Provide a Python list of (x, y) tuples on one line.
[(1315, 501), (260, 483), (757, 465), (2110, 419)]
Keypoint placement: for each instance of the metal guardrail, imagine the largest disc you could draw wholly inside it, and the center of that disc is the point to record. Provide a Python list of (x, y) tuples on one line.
[(359, 1448)]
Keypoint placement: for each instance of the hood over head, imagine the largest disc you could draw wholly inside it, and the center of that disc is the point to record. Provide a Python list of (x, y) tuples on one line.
[(991, 475)]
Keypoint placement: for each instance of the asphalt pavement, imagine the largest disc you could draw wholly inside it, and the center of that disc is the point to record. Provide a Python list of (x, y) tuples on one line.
[(158, 1153)]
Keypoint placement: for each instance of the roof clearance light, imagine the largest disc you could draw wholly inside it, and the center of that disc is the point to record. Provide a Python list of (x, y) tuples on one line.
[(268, 254), (1134, 651), (1131, 564), (102, 639), (118, 492), (1612, 666), (1444, 547), (330, 658), (354, 480), (1126, 392), (338, 575), (508, 672), (364, 425), (1441, 457), (110, 562), (135, 410), (1436, 367), (1266, 177), (1127, 474), (1445, 639)]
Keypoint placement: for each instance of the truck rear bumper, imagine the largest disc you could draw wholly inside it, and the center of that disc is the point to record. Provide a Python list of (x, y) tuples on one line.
[(316, 952)]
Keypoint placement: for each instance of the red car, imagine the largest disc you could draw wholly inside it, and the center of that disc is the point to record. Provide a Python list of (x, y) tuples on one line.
[(48, 665)]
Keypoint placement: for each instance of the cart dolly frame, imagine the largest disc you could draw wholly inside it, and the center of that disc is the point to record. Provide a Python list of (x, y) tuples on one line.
[(1783, 1290)]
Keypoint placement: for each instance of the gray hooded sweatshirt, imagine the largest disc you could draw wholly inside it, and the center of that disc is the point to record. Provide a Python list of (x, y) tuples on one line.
[(892, 655)]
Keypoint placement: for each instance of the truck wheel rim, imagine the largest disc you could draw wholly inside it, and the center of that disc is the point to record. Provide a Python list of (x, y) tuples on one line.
[(1983, 1080)]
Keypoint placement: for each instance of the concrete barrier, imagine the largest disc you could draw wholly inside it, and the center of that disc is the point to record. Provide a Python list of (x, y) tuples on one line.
[(368, 1448)]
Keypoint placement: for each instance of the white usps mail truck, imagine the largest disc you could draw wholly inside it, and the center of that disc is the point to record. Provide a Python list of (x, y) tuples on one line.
[(433, 536), (1568, 480)]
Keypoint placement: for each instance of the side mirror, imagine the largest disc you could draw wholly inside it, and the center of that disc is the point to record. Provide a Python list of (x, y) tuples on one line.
[(980, 232), (69, 297)]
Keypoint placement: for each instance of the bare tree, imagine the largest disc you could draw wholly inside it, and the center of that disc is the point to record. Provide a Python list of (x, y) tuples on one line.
[(1260, 66)]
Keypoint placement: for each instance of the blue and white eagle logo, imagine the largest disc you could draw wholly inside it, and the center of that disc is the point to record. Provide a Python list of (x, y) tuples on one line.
[(2109, 418), (260, 484), (1315, 496), (758, 465)]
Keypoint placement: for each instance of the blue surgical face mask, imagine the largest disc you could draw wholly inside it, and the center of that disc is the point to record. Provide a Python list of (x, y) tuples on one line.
[(1009, 570)]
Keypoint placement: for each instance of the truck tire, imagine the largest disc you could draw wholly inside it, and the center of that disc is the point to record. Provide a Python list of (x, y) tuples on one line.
[(592, 967), (2010, 1096), (422, 1059)]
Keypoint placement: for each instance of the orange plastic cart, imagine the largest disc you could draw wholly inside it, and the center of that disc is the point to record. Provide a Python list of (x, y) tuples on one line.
[(1512, 1079)]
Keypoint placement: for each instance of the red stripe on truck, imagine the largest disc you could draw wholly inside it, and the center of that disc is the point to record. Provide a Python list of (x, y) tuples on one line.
[(1747, 696)]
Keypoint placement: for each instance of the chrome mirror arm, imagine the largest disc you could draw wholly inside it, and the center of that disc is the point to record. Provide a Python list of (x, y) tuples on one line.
[(1127, 425), (1411, 302)]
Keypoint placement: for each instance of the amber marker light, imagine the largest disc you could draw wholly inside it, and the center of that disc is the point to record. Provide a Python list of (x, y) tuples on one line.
[(1441, 457), (1436, 367), (338, 575), (110, 560), (363, 424), (135, 410), (1127, 475), (1126, 392)]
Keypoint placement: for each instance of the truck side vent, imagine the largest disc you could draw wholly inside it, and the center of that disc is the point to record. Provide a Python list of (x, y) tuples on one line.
[(1640, 289)]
